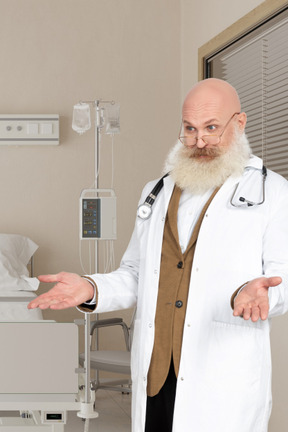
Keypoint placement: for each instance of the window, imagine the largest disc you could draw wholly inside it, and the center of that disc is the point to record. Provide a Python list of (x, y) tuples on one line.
[(256, 64)]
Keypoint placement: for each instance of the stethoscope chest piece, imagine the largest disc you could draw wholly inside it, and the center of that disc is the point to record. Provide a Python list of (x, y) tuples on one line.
[(144, 211)]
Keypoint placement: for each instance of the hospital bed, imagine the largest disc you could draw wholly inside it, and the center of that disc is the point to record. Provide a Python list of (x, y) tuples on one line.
[(39, 373)]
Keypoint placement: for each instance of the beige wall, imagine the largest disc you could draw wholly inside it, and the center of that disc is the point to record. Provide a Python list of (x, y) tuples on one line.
[(55, 53), (202, 21)]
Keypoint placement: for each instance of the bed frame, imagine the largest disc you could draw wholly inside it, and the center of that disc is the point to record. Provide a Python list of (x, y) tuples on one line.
[(38, 375)]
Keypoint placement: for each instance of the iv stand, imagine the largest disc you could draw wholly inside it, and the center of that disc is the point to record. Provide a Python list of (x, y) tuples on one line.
[(87, 409)]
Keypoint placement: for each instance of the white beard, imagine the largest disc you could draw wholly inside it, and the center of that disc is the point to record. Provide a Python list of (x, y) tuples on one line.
[(198, 176)]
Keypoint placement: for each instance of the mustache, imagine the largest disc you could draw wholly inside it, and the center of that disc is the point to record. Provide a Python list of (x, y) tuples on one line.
[(196, 152)]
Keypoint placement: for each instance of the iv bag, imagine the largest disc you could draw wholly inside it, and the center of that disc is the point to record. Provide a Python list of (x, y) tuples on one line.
[(112, 119), (81, 118)]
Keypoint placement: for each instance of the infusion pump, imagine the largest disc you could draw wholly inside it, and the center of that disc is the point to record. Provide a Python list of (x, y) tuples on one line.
[(98, 214)]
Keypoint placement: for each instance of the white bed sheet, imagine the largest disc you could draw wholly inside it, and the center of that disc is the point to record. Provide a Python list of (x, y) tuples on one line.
[(13, 306), (15, 253), (16, 287)]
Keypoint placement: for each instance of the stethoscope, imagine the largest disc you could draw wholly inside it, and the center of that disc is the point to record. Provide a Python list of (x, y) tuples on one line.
[(243, 200), (145, 210)]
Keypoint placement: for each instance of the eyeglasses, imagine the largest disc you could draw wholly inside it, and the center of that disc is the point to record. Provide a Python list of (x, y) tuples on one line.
[(191, 139)]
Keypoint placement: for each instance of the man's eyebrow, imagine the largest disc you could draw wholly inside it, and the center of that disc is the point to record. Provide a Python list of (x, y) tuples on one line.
[(211, 121), (207, 122)]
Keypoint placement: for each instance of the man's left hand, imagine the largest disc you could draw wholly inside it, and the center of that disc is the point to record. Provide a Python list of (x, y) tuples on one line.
[(253, 301)]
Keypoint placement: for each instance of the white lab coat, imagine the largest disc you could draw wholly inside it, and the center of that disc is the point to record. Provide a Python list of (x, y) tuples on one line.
[(224, 381)]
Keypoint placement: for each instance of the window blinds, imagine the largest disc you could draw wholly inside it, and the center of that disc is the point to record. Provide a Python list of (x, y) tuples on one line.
[(257, 66)]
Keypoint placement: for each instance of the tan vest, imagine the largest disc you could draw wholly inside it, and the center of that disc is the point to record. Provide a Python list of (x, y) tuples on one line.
[(175, 272)]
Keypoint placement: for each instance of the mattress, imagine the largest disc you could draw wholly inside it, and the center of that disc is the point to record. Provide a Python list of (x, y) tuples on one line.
[(13, 306)]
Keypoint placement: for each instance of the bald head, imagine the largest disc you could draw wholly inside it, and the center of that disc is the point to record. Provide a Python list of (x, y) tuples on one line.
[(212, 92)]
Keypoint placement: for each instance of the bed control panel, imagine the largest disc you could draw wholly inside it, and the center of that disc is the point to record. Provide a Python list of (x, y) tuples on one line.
[(53, 417)]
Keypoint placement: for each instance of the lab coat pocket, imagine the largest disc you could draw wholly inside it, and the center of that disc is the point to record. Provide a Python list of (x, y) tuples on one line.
[(236, 367), (235, 352)]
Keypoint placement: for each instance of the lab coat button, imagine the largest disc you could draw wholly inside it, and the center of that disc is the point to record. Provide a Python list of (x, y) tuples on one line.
[(179, 304), (180, 264), (150, 325)]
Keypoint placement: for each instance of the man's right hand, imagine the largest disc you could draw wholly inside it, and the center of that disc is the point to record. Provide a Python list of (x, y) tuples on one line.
[(70, 290)]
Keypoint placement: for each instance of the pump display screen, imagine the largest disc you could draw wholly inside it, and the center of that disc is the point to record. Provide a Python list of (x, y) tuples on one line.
[(91, 211)]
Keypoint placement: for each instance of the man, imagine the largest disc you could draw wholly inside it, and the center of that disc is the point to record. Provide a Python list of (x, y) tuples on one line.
[(197, 366)]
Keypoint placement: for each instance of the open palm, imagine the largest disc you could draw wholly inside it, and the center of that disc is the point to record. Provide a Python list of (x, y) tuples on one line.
[(70, 290), (253, 301)]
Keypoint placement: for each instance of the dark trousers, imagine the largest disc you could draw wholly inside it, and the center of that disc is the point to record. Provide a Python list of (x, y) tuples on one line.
[(160, 408)]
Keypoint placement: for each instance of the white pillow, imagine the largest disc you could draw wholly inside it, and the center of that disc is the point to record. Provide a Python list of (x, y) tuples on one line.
[(15, 253)]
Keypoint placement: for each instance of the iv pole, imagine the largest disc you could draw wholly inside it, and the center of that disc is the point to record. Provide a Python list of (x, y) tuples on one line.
[(87, 409)]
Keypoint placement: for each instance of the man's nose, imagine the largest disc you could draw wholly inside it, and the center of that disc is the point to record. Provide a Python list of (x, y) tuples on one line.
[(200, 143)]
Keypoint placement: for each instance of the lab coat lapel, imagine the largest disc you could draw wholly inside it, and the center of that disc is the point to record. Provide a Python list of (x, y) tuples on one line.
[(168, 189)]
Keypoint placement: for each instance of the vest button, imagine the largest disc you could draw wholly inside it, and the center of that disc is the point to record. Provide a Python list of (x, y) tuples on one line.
[(180, 264), (179, 304)]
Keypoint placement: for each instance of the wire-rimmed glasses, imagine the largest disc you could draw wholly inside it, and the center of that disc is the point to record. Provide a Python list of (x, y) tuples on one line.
[(191, 138)]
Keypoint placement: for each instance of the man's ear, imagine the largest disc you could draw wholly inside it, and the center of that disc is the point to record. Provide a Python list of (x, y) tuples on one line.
[(242, 119)]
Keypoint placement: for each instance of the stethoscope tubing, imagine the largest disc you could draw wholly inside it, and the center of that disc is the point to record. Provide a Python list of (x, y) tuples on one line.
[(144, 210), (244, 200)]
